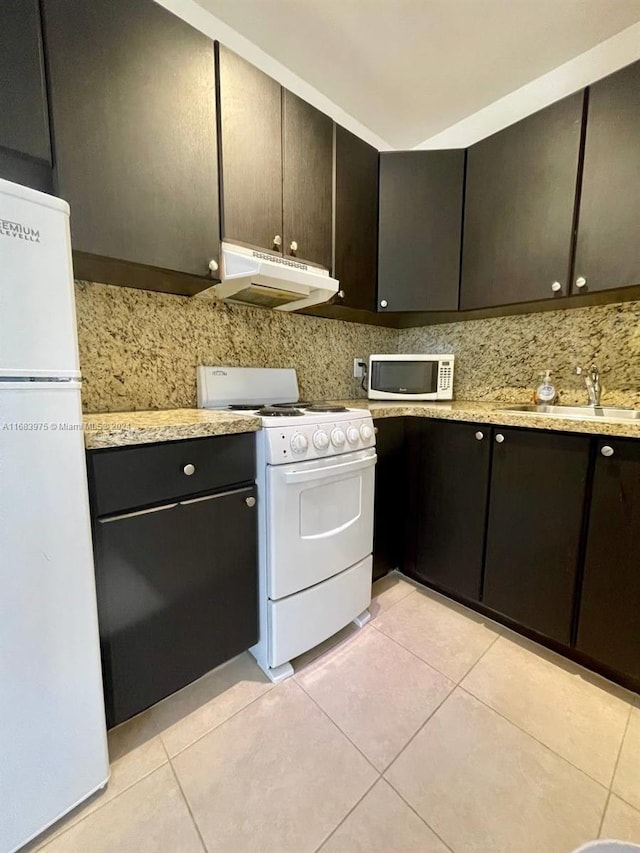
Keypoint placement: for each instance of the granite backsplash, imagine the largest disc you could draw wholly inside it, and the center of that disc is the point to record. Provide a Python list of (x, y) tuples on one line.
[(139, 350), (501, 358)]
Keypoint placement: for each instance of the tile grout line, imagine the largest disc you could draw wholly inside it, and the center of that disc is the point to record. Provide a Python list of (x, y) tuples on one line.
[(333, 723), (270, 687), (613, 775), (414, 655), (351, 810), (80, 820), (167, 760), (533, 737), (205, 847), (428, 663), (419, 729), (475, 664), (408, 804)]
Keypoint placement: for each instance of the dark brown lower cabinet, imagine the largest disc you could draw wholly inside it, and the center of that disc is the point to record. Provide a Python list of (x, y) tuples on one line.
[(536, 507), (389, 512), (177, 596), (609, 619), (453, 476)]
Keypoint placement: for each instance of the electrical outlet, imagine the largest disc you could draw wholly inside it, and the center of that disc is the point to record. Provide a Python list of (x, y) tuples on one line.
[(358, 368)]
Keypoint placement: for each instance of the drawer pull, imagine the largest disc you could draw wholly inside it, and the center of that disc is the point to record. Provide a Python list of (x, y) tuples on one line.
[(189, 469), (607, 451), (212, 497), (136, 514), (250, 501)]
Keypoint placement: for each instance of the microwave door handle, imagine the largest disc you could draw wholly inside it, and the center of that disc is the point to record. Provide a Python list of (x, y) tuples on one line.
[(329, 470)]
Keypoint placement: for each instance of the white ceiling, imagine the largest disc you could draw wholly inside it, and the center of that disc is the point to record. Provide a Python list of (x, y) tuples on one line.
[(409, 69)]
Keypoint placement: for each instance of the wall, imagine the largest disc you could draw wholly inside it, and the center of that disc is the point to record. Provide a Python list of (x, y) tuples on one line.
[(139, 350), (499, 359)]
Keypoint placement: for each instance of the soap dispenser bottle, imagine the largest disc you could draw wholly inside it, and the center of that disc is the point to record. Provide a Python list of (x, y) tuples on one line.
[(545, 394)]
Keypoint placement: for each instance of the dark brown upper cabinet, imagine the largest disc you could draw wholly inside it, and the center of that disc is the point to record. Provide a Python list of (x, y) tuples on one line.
[(356, 221), (519, 209), (420, 220), (25, 145), (307, 189), (250, 153), (276, 163), (608, 243), (135, 134)]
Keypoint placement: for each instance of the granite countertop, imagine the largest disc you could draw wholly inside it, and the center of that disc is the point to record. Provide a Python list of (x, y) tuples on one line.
[(118, 429), (492, 413)]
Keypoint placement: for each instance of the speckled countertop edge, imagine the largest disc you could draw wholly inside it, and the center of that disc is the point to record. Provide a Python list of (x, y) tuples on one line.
[(120, 429), (493, 413)]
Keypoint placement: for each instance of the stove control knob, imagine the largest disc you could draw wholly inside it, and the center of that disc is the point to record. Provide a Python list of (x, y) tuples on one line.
[(299, 443), (353, 435), (366, 432), (338, 437), (320, 439)]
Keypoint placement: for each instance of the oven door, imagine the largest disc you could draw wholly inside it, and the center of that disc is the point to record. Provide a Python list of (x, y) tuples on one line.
[(319, 519)]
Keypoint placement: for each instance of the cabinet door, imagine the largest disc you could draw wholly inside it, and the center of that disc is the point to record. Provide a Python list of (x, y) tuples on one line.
[(536, 506), (133, 107), (25, 147), (356, 225), (177, 596), (608, 247), (250, 153), (609, 621), (419, 230), (390, 497), (308, 178), (452, 505), (519, 207)]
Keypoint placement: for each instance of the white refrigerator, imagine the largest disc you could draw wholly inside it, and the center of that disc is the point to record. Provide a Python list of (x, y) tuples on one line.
[(53, 748)]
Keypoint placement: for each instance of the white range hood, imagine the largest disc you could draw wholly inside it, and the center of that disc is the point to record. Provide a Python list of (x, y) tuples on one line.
[(256, 278)]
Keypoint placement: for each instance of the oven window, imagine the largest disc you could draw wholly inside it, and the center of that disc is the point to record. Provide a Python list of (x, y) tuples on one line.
[(405, 377)]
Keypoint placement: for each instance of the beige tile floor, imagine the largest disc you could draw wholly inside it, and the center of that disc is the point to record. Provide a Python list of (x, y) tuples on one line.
[(430, 730)]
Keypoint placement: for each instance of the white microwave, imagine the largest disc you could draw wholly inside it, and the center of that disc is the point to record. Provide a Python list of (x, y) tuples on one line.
[(410, 377)]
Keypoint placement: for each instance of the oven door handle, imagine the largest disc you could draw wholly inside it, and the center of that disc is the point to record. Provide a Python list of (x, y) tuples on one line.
[(329, 470)]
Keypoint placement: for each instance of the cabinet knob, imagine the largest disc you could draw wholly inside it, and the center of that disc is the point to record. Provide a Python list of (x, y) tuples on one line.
[(213, 265), (606, 450), (340, 294), (581, 281), (277, 241), (499, 438), (556, 287), (189, 469), (479, 435), (383, 303), (250, 501), (293, 247)]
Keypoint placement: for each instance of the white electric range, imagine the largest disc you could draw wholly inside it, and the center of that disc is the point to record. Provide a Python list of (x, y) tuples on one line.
[(315, 477)]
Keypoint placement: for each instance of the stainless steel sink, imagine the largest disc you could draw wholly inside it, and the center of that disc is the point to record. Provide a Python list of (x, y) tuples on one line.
[(593, 413)]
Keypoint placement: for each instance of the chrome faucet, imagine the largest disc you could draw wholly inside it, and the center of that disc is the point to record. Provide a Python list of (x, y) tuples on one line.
[(592, 381)]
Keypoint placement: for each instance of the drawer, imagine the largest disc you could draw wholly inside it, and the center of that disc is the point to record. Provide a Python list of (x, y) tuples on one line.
[(130, 477)]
